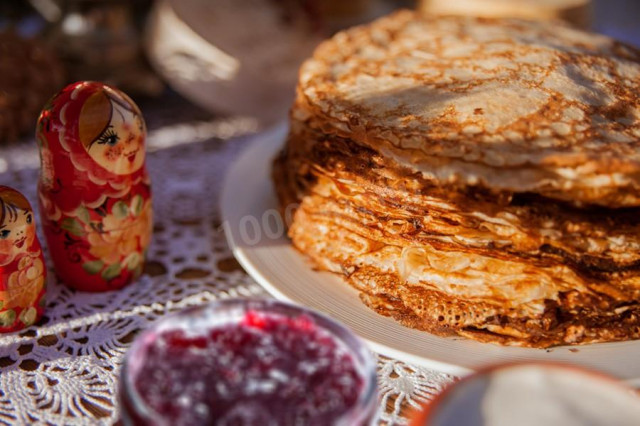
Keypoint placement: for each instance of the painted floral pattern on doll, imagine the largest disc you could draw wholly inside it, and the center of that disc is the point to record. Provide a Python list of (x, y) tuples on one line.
[(94, 191), (22, 269)]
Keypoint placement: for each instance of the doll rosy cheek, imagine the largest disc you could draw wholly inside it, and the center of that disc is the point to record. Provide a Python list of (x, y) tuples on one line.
[(112, 154), (6, 246), (31, 233)]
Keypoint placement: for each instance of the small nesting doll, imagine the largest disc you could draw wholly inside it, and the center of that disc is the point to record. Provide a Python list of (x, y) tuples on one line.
[(22, 269), (94, 190)]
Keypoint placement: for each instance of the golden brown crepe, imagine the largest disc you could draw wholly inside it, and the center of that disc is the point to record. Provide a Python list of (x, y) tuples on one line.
[(473, 176)]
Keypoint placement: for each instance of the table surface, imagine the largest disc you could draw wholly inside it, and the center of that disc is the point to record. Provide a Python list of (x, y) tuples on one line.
[(65, 369)]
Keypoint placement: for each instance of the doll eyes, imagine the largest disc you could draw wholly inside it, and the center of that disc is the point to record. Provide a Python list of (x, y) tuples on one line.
[(4, 234), (29, 219), (109, 138)]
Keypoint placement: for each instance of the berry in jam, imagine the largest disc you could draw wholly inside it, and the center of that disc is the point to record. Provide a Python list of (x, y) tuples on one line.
[(264, 368)]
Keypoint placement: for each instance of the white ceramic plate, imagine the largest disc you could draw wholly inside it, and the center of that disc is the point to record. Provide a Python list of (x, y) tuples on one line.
[(256, 234)]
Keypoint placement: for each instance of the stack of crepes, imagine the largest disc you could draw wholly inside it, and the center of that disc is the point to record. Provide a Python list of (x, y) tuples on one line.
[(473, 176)]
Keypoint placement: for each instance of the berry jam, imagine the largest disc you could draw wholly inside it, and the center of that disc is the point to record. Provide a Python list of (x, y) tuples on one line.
[(263, 369)]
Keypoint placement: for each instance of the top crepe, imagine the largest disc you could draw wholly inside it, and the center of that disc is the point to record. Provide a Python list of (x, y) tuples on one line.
[(506, 104)]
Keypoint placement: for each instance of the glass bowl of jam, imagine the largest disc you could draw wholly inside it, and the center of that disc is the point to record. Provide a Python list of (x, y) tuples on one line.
[(248, 362)]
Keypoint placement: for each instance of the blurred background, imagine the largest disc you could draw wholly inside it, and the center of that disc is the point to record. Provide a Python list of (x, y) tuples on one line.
[(233, 57)]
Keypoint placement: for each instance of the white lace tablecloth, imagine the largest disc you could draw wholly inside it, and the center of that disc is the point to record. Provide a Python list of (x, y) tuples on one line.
[(65, 370)]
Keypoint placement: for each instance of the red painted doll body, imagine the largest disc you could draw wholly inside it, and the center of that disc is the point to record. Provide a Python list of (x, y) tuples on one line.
[(22, 269), (94, 190)]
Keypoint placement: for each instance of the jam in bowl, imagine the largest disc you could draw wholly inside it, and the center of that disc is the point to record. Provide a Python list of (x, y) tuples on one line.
[(248, 362)]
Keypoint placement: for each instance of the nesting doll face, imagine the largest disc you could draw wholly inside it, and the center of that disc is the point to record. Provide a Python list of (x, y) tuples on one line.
[(111, 130), (17, 226)]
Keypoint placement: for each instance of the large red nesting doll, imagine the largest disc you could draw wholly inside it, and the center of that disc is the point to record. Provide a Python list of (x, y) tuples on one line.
[(22, 270), (94, 190)]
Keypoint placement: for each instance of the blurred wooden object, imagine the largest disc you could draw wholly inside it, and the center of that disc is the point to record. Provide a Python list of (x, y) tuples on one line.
[(99, 40), (576, 12), (30, 73)]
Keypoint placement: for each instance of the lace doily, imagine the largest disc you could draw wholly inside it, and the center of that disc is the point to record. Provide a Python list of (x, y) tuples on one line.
[(65, 370)]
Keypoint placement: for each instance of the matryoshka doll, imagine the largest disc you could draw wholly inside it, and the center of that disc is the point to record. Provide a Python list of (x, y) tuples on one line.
[(22, 270), (94, 190)]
